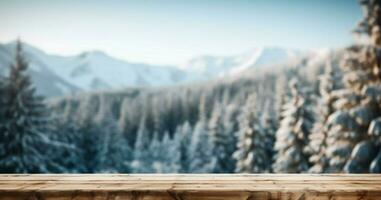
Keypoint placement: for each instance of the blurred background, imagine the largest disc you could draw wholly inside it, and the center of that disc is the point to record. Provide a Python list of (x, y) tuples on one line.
[(190, 86)]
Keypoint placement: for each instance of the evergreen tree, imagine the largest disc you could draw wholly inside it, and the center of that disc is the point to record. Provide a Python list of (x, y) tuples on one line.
[(142, 162), (113, 151), (88, 129), (68, 156), (155, 150), (269, 124), (318, 144), (183, 137), (123, 122), (222, 141), (24, 128), (352, 143), (375, 131), (230, 122), (68, 132), (165, 154), (201, 149), (251, 149), (292, 135), (158, 115), (170, 155), (281, 95), (205, 106)]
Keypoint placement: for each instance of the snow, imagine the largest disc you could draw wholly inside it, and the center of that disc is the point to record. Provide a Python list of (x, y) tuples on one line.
[(250, 61), (205, 67), (96, 70)]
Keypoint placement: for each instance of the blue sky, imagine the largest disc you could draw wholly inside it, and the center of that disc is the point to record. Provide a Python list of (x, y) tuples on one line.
[(170, 32)]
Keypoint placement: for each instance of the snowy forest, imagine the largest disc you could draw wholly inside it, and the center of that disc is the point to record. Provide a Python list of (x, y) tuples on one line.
[(308, 116)]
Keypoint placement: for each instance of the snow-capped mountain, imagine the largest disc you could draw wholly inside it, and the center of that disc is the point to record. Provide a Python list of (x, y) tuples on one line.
[(206, 67), (58, 75)]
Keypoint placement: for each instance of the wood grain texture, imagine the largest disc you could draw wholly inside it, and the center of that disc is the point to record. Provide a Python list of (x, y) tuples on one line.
[(190, 187)]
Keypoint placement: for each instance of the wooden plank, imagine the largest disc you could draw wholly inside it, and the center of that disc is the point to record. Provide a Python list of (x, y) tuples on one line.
[(189, 187)]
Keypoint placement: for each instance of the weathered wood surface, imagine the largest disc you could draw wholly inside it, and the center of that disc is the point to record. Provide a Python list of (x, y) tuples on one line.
[(190, 187)]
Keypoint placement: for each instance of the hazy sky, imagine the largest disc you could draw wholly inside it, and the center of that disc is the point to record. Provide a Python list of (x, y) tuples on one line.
[(170, 32)]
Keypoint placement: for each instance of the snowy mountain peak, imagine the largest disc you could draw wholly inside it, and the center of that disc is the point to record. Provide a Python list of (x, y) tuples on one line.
[(96, 54), (92, 70), (219, 66)]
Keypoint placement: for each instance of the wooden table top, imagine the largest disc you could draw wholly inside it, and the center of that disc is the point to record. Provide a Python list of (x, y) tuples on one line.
[(364, 185)]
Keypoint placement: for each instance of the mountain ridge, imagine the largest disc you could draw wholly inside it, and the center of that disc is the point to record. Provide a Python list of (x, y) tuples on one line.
[(56, 75)]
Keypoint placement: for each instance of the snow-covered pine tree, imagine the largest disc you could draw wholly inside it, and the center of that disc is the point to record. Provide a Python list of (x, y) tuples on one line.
[(292, 135), (201, 144), (183, 137), (280, 95), (131, 111), (269, 124), (205, 106), (124, 116), (67, 132), (353, 141), (89, 132), (170, 155), (318, 144), (200, 148), (222, 141), (158, 114), (69, 156), (24, 128), (375, 131), (142, 160), (173, 114), (230, 121), (251, 154), (155, 150), (113, 152)]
